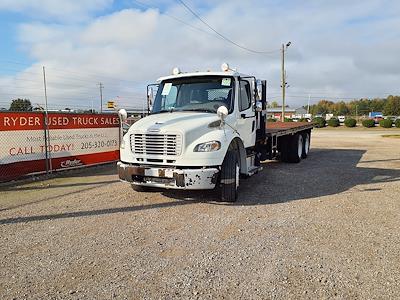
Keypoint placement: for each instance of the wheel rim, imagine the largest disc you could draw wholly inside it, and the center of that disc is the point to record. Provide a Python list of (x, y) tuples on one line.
[(307, 144), (300, 146), (237, 176)]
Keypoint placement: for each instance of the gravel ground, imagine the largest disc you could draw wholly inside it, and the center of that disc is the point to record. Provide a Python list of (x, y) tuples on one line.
[(325, 228)]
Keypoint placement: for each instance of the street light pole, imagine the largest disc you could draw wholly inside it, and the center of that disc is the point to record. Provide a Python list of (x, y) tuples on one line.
[(101, 86), (283, 79)]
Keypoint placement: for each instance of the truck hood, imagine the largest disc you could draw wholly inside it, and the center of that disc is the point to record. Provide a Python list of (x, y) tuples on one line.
[(191, 124)]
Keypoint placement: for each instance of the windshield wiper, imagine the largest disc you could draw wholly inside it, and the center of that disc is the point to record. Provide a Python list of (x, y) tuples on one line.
[(164, 111), (201, 109)]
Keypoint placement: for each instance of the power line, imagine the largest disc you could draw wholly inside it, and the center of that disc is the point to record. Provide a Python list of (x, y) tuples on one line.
[(217, 35), (222, 36), (175, 18)]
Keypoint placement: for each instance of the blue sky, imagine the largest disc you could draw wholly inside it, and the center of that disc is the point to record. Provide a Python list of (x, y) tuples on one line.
[(9, 49), (340, 49)]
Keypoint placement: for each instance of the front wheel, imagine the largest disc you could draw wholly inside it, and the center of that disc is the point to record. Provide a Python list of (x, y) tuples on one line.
[(230, 172)]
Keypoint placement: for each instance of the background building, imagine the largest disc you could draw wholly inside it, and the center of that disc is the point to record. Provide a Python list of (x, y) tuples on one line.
[(292, 113)]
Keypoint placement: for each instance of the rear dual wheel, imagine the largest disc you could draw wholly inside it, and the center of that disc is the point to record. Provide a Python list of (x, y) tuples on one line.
[(295, 147), (306, 145)]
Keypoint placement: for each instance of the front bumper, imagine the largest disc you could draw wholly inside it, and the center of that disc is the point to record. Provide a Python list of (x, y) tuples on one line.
[(169, 178)]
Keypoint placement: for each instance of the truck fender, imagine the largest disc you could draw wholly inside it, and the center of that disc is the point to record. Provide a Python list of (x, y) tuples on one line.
[(237, 145)]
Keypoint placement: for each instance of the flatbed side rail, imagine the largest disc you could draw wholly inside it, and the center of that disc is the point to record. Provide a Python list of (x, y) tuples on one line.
[(277, 131)]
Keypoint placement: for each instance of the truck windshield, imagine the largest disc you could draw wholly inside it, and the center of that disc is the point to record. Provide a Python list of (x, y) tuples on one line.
[(203, 94)]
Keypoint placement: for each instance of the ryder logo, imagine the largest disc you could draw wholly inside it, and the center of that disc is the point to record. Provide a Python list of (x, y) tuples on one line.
[(71, 163)]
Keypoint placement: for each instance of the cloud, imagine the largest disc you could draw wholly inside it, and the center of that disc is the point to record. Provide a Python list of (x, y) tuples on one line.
[(127, 28), (339, 49)]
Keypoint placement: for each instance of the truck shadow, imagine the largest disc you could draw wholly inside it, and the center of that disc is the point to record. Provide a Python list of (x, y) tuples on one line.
[(324, 172)]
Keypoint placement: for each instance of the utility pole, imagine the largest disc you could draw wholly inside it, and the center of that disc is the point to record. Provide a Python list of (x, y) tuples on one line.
[(101, 86), (284, 48), (308, 104)]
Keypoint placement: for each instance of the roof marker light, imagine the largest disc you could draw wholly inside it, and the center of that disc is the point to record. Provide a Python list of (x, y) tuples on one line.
[(176, 71), (225, 67)]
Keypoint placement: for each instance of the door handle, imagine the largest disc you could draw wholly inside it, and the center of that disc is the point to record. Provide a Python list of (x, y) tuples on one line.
[(243, 116)]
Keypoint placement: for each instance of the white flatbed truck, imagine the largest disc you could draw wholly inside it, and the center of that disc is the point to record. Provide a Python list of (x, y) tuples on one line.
[(206, 130)]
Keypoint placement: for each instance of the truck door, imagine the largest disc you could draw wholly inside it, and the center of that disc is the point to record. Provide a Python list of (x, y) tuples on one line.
[(246, 118)]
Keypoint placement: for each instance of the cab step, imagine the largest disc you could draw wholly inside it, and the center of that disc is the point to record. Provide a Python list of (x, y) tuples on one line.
[(254, 170), (251, 165)]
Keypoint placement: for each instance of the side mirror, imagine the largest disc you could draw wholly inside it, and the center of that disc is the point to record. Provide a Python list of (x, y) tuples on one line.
[(258, 106), (264, 93), (123, 115), (152, 90), (222, 112), (150, 94), (150, 97)]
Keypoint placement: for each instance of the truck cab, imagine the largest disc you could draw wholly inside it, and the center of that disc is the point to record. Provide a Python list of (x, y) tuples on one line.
[(205, 130)]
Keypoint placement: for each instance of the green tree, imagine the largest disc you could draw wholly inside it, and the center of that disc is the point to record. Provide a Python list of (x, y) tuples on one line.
[(341, 109), (377, 104), (363, 107), (20, 105), (274, 104), (392, 106), (322, 107)]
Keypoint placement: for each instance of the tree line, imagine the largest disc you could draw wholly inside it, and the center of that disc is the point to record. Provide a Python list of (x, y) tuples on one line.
[(21, 105), (26, 105), (389, 106)]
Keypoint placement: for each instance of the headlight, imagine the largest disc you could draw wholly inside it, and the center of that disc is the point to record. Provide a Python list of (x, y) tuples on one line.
[(208, 147)]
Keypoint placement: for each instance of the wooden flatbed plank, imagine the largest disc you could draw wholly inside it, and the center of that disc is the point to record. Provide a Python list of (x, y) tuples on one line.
[(286, 125), (282, 128)]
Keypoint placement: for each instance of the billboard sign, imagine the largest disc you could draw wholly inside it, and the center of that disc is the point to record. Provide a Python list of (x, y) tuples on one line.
[(73, 140)]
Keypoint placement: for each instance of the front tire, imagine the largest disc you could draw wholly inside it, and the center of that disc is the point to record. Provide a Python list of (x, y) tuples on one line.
[(230, 172)]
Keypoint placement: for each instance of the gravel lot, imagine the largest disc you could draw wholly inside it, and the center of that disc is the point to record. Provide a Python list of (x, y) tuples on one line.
[(328, 227)]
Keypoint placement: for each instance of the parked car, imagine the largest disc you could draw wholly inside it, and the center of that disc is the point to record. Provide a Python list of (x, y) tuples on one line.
[(377, 119), (328, 117), (341, 119)]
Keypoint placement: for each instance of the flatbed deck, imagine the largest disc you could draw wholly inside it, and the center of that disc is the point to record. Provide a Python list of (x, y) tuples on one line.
[(285, 128)]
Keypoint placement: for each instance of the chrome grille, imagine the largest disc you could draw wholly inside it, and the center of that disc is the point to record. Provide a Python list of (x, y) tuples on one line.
[(156, 144)]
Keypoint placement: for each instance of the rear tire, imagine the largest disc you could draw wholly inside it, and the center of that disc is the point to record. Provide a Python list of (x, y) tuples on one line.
[(295, 149), (230, 172), (284, 148), (306, 145)]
